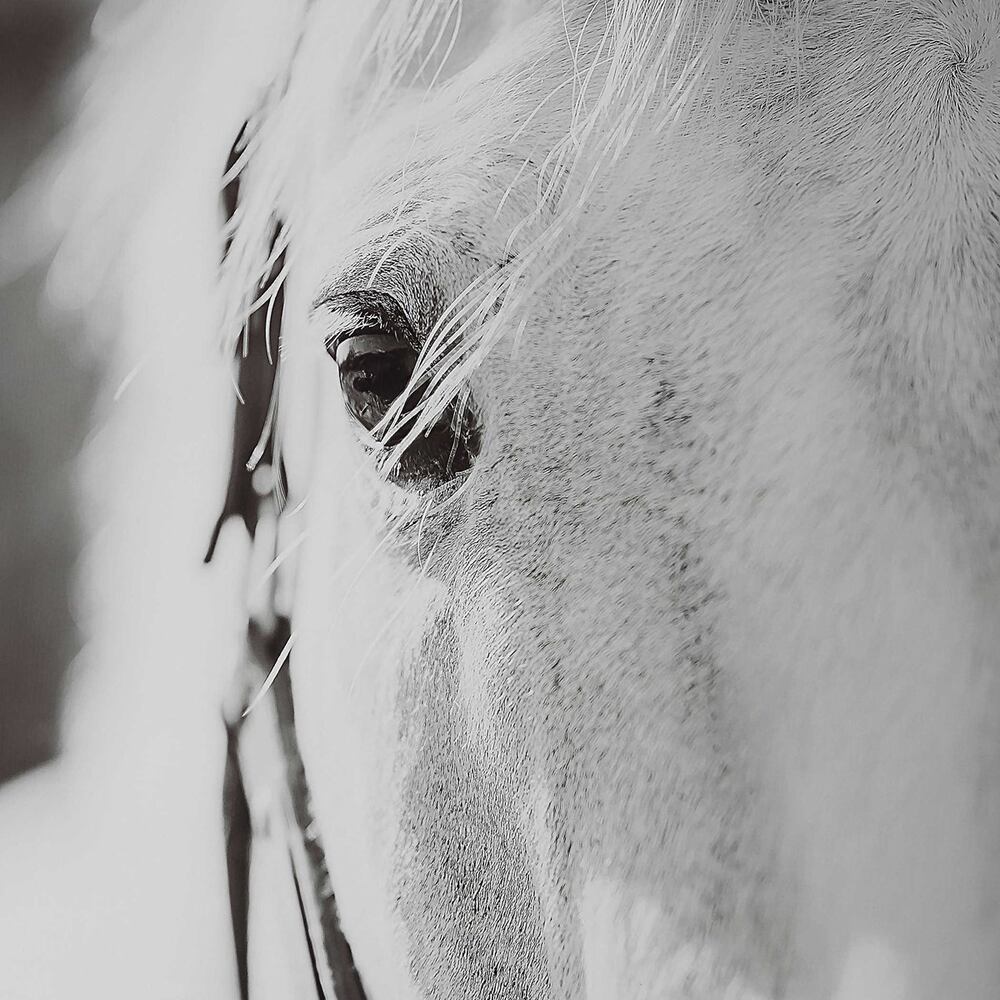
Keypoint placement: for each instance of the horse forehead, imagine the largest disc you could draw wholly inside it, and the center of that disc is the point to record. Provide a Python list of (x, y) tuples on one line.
[(844, 82), (842, 73)]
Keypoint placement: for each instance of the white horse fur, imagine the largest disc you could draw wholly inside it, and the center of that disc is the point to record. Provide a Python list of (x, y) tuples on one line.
[(692, 690)]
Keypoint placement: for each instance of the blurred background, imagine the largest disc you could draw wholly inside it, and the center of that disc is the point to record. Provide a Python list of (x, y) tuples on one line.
[(47, 388)]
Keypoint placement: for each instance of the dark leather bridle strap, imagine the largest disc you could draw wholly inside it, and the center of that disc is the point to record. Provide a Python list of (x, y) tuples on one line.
[(272, 728), (236, 820), (333, 972)]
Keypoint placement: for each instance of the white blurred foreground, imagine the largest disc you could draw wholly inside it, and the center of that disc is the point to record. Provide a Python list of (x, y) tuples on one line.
[(112, 875), (111, 859)]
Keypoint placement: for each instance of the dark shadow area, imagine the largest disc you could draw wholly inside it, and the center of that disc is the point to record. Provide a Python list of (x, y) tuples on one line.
[(46, 393)]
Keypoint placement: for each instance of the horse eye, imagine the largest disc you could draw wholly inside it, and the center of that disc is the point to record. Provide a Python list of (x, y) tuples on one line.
[(376, 360), (375, 369)]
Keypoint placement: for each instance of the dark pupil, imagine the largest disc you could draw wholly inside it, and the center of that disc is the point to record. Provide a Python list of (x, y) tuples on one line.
[(372, 381)]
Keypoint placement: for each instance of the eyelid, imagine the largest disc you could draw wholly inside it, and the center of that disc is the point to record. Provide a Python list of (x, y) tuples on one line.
[(348, 314), (347, 331), (341, 324), (354, 345)]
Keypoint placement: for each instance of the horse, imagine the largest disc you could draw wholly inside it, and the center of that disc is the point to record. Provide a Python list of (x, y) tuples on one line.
[(637, 409)]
